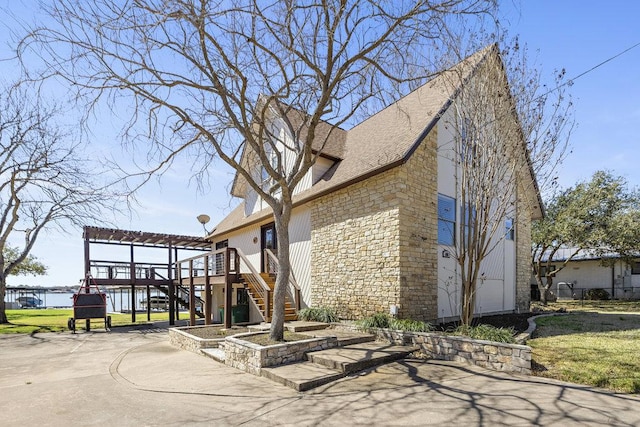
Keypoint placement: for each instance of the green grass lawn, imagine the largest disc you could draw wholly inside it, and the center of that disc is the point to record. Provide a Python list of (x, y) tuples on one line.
[(596, 344), (29, 321), (597, 306)]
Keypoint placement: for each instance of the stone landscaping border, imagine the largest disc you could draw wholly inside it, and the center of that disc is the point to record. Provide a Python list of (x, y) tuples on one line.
[(487, 354), (251, 358), (181, 338)]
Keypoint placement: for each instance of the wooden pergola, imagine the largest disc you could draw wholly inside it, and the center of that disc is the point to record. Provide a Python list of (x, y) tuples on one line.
[(132, 273)]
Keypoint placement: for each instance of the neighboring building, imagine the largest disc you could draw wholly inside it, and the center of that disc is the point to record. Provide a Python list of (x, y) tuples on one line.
[(364, 229), (586, 270)]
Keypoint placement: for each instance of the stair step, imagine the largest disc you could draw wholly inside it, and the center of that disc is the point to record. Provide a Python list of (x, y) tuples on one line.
[(306, 326), (344, 338), (216, 354), (357, 357), (301, 376)]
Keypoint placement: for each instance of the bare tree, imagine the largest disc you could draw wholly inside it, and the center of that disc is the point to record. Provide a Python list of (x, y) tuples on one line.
[(509, 134), (44, 182), (212, 76)]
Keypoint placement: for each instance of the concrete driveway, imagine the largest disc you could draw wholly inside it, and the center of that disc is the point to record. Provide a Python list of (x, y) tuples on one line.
[(134, 377)]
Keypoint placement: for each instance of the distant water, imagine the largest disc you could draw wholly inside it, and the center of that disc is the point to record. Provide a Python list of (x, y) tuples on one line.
[(116, 300)]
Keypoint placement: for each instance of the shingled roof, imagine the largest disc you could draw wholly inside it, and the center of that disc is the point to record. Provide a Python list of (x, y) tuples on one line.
[(383, 141)]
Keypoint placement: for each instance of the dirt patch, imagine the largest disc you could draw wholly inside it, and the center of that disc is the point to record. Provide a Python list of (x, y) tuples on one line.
[(263, 339), (213, 332)]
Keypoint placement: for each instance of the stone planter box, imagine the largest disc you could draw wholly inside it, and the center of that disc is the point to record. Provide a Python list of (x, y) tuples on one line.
[(487, 354), (250, 357), (181, 338)]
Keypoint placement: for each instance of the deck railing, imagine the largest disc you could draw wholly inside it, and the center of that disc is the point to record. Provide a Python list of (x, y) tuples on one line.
[(258, 284), (115, 270)]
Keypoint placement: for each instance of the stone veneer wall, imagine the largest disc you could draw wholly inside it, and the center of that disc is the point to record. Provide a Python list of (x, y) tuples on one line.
[(523, 258), (487, 354), (374, 243), (250, 357), (181, 338), (419, 233), (355, 254)]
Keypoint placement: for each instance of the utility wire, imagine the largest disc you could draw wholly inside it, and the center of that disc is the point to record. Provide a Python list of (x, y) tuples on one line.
[(572, 80)]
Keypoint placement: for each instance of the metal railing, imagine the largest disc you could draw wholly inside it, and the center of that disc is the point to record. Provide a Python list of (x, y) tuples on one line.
[(209, 264), (126, 270)]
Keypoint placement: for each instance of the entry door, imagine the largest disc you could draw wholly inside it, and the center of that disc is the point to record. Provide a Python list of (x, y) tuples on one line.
[(268, 240)]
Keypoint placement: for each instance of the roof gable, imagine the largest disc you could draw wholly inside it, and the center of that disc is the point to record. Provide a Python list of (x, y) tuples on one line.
[(386, 139)]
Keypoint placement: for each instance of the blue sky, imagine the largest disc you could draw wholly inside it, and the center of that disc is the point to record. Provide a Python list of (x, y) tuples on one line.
[(575, 35)]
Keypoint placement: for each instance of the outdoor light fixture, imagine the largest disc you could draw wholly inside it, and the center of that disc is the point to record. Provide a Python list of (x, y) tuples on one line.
[(204, 219)]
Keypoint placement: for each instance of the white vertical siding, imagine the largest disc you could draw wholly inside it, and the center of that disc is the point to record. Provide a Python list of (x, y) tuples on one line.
[(448, 275), (496, 288), (300, 246)]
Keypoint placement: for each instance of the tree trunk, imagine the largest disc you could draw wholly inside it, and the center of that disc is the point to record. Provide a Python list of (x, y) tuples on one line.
[(468, 303), (542, 290), (3, 292), (282, 276)]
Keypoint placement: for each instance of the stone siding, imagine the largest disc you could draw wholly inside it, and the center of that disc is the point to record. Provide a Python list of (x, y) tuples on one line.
[(181, 338), (487, 354), (355, 255), (419, 233), (250, 357), (374, 243), (523, 258)]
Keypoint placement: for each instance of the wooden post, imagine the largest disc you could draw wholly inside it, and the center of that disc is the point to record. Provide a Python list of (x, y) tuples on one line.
[(228, 289), (171, 290), (133, 302), (87, 256), (207, 293), (148, 303), (132, 278), (87, 271), (179, 276), (192, 296)]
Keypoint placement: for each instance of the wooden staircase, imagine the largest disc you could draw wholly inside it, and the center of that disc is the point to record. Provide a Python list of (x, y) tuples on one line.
[(290, 312), (182, 297)]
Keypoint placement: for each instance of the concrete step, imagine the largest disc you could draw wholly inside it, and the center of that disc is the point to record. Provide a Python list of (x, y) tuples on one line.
[(301, 376), (292, 326), (357, 357), (345, 338), (216, 354)]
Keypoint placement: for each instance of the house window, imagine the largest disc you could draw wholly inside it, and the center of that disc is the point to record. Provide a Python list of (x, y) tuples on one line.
[(219, 258), (509, 229), (635, 268), (266, 179), (446, 220)]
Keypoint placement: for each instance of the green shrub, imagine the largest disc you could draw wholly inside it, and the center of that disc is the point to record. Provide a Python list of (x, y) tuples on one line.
[(318, 314), (410, 325), (597, 294), (382, 320), (378, 320), (487, 333)]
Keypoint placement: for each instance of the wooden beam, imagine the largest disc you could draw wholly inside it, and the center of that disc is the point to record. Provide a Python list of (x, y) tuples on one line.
[(207, 293), (228, 290), (192, 296)]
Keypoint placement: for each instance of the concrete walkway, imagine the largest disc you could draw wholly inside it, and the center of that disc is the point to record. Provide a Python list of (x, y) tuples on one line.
[(134, 377)]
